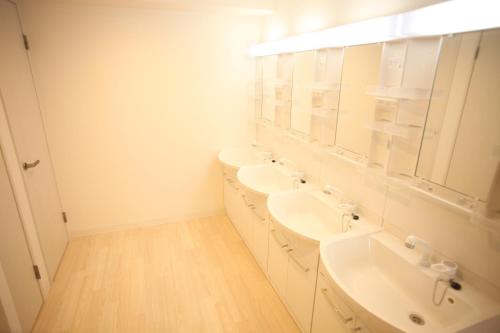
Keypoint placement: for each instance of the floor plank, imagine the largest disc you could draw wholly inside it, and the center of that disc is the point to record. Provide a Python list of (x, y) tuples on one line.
[(196, 276)]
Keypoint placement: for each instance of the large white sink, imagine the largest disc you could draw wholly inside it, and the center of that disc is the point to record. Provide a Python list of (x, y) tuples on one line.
[(266, 179), (310, 214), (238, 157), (381, 278)]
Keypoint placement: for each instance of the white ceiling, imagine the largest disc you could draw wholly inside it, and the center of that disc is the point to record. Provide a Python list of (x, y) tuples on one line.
[(251, 7)]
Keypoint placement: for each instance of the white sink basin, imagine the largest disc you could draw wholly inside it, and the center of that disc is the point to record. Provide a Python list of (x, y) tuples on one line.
[(378, 274), (307, 214), (266, 179), (236, 158)]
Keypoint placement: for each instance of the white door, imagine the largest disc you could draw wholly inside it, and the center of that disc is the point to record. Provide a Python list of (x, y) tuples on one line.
[(15, 259), (21, 106)]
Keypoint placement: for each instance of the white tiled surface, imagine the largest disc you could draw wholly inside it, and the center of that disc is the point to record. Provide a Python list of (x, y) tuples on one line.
[(450, 234)]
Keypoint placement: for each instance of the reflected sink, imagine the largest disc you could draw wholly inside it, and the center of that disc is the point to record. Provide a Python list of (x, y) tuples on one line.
[(378, 275), (266, 179), (309, 214), (238, 157)]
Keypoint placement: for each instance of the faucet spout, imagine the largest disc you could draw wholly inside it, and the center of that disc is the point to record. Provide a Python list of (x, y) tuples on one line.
[(412, 241)]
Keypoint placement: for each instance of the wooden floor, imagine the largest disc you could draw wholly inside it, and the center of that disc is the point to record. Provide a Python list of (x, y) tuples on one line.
[(192, 277)]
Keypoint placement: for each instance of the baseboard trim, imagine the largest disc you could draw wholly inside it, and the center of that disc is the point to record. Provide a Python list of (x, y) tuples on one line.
[(126, 226)]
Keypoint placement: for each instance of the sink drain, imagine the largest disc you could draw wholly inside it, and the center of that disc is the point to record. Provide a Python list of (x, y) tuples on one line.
[(416, 319)]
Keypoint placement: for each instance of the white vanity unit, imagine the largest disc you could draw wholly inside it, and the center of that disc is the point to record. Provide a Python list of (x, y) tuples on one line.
[(282, 220), (257, 183), (299, 220), (373, 278), (232, 160)]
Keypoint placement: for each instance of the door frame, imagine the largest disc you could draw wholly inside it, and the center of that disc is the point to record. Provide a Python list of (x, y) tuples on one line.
[(22, 200), (7, 303)]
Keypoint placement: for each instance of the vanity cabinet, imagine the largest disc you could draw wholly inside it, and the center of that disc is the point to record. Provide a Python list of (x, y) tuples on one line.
[(302, 271), (278, 259), (232, 202), (260, 240), (331, 314), (236, 207), (248, 213), (292, 269)]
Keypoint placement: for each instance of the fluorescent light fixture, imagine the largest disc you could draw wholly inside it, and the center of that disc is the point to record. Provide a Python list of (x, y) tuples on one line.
[(452, 17), (440, 19)]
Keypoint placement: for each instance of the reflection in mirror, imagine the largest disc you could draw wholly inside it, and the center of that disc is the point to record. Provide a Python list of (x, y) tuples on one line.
[(269, 70), (283, 90), (460, 148), (325, 95), (256, 90), (303, 76), (360, 70)]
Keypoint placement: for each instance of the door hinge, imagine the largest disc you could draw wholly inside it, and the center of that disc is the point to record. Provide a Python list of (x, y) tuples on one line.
[(26, 42), (37, 272), (65, 218), (477, 53)]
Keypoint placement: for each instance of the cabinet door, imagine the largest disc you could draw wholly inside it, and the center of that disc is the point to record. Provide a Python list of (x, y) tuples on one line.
[(301, 280), (277, 265), (330, 314), (360, 327), (260, 228), (231, 198), (261, 240), (246, 217)]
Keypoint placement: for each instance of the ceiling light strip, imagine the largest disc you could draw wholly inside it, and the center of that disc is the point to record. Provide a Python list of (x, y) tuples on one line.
[(440, 19)]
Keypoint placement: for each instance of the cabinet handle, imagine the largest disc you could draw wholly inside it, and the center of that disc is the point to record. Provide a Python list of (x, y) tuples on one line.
[(305, 269), (343, 318), (253, 209), (27, 166), (273, 231), (250, 205), (232, 183)]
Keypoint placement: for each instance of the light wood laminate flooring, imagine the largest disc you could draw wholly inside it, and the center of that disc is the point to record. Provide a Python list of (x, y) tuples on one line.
[(195, 276)]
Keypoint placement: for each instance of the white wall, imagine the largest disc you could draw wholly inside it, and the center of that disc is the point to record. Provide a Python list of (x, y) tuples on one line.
[(137, 103)]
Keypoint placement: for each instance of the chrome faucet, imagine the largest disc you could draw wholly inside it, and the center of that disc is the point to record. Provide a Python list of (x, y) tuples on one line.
[(412, 241), (349, 210)]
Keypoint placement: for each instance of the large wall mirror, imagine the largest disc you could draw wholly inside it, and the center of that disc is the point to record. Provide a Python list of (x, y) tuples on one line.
[(461, 142), (269, 68), (360, 70), (315, 94), (303, 77), (427, 107)]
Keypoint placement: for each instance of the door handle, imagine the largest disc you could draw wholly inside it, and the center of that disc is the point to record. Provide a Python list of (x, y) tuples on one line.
[(27, 166)]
